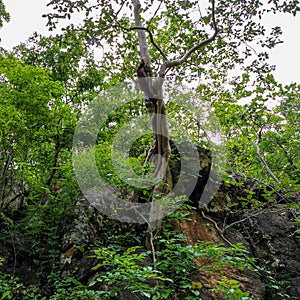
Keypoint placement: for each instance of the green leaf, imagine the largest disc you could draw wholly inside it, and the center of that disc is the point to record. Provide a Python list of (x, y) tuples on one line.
[(5, 294)]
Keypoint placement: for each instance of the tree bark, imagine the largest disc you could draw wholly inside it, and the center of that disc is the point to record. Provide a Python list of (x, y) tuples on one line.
[(160, 151), (152, 89)]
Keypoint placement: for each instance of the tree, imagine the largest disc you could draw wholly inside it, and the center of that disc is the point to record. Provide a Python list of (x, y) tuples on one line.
[(182, 38), (36, 128), (257, 131), (47, 81), (70, 60)]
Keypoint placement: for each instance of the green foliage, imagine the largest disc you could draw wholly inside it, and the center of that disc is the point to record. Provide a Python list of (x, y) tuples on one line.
[(71, 62), (35, 128), (11, 287), (176, 28), (127, 267), (231, 290), (4, 15), (47, 81), (71, 288), (131, 270), (275, 287), (297, 223), (44, 226), (269, 119)]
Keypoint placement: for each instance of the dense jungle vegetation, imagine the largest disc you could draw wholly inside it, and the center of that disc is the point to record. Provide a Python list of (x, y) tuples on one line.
[(242, 244)]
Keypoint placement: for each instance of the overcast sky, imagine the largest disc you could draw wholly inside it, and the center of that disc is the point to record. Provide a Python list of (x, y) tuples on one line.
[(26, 17)]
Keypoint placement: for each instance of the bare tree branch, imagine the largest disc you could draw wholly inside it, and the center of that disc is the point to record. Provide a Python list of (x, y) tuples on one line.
[(143, 43), (122, 4), (155, 13), (219, 230), (199, 9), (261, 158), (144, 51), (150, 237), (174, 63), (246, 218), (150, 35)]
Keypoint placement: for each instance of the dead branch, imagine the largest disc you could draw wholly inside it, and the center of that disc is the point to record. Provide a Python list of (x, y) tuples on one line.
[(219, 230), (245, 219)]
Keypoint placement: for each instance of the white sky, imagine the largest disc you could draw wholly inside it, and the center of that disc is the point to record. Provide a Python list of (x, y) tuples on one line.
[(26, 17)]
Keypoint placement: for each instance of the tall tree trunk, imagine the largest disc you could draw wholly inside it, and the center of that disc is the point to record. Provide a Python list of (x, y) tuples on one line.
[(152, 89), (160, 151)]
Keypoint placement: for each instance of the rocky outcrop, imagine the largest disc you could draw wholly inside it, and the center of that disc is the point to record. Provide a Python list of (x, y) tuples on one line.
[(267, 234), (200, 228)]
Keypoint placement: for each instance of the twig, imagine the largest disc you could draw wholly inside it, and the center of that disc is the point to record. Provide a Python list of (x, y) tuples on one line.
[(122, 4), (220, 231), (265, 184), (25, 193), (152, 246), (245, 219), (199, 9), (155, 13), (151, 236), (247, 44)]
